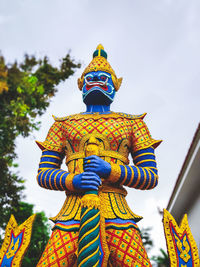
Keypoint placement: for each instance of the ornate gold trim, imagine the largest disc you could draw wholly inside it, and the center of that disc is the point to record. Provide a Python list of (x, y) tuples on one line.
[(14, 250), (100, 147), (75, 156), (103, 144), (171, 247), (90, 201), (114, 205), (69, 182), (115, 173), (150, 143), (97, 116), (106, 188), (70, 209), (102, 153), (45, 145)]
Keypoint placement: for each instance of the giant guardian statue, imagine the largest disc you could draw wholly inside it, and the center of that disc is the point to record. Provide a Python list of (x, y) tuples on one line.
[(95, 226)]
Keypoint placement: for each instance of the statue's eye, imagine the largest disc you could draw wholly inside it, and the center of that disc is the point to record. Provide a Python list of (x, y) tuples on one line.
[(89, 79), (103, 77)]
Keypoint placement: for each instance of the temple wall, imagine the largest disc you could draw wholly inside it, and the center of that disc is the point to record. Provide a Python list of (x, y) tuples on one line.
[(194, 219)]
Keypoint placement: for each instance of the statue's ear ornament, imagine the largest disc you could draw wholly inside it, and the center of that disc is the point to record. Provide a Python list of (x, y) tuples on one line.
[(80, 83), (100, 63), (117, 82)]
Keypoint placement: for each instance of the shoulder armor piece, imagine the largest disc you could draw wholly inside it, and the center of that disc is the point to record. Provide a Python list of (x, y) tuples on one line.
[(60, 118), (132, 117)]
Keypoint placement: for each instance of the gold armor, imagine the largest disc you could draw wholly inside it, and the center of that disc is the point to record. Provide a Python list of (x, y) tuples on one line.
[(110, 136)]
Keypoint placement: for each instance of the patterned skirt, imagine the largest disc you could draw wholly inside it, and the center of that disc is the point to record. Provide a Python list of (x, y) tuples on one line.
[(125, 246)]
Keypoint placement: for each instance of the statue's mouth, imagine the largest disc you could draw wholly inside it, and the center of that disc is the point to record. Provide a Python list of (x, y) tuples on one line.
[(98, 92), (100, 84), (96, 96)]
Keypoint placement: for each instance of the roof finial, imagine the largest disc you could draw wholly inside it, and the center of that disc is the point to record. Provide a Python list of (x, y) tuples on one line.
[(100, 52), (100, 46)]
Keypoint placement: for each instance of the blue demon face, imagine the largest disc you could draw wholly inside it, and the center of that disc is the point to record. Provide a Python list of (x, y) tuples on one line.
[(98, 88)]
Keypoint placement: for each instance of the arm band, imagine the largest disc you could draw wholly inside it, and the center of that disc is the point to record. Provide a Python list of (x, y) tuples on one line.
[(50, 175), (143, 175)]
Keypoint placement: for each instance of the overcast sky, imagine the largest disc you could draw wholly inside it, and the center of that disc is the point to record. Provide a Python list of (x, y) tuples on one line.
[(154, 45)]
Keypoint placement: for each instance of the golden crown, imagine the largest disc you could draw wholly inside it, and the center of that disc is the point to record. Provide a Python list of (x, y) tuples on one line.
[(99, 62)]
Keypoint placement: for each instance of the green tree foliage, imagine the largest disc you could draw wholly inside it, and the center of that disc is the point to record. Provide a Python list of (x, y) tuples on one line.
[(162, 260), (40, 233), (146, 238), (25, 92)]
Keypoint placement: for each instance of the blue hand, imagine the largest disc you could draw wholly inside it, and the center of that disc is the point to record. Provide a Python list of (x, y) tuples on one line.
[(86, 181), (97, 165)]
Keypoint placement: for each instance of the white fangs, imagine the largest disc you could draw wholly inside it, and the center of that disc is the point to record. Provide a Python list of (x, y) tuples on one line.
[(97, 83)]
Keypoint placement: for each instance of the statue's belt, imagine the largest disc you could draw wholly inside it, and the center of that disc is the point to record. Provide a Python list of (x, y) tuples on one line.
[(104, 188), (102, 153)]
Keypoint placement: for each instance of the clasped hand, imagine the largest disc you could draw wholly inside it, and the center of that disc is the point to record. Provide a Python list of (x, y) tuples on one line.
[(94, 168)]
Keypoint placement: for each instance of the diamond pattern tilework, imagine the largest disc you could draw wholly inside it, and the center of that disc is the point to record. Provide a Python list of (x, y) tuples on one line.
[(142, 136), (114, 129), (60, 250), (126, 248)]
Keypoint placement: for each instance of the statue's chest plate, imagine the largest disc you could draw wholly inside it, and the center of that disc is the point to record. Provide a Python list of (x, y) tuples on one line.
[(114, 131)]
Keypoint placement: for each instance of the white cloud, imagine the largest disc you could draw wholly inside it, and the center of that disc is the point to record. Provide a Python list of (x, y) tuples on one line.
[(5, 19)]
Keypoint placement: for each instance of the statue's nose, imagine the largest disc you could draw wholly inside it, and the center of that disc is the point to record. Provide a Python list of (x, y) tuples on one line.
[(95, 78)]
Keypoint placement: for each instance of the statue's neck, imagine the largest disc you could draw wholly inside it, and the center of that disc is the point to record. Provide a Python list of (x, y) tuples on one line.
[(98, 108)]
